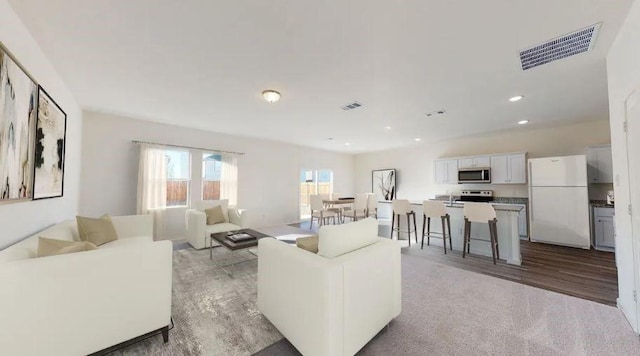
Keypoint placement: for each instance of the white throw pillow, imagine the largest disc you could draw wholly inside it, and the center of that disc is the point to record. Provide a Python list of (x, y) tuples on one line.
[(336, 240), (208, 204)]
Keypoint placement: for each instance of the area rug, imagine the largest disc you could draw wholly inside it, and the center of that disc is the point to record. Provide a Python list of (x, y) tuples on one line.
[(214, 314)]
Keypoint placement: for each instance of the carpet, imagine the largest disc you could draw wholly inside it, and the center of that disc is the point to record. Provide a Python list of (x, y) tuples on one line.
[(213, 313), (445, 311), (449, 311)]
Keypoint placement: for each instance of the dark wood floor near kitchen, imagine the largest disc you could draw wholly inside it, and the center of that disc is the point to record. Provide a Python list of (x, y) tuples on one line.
[(587, 274)]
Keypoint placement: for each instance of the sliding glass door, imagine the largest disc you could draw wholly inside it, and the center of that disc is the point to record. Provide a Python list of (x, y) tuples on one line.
[(313, 181)]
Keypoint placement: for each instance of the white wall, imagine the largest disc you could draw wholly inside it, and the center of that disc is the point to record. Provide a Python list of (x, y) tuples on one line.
[(415, 164), (268, 174), (623, 71), (19, 220)]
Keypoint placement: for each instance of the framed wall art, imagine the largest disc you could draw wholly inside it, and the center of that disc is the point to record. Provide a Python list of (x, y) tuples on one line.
[(51, 127), (18, 98), (383, 184)]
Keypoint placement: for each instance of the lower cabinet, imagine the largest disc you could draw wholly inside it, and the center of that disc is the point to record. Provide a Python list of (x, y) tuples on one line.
[(603, 228), (522, 223)]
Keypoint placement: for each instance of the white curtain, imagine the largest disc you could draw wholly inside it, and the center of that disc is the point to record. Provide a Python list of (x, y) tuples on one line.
[(229, 178), (152, 186)]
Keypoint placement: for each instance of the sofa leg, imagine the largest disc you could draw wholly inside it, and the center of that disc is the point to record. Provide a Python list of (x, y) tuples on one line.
[(165, 334)]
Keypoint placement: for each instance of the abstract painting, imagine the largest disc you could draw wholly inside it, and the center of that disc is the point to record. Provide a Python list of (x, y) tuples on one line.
[(383, 184), (18, 95), (51, 128)]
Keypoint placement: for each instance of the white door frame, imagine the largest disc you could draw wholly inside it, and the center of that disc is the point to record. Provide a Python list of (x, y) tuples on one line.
[(632, 173)]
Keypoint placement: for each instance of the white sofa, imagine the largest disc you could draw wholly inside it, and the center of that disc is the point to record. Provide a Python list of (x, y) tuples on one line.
[(330, 306), (199, 233), (80, 303)]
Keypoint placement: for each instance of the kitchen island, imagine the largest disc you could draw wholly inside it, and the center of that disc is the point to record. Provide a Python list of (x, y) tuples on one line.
[(508, 236)]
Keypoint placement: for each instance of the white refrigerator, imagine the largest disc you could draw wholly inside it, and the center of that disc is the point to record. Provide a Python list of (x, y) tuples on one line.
[(559, 201)]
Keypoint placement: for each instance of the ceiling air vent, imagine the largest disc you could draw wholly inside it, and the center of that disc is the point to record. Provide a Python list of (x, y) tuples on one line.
[(562, 47), (351, 106)]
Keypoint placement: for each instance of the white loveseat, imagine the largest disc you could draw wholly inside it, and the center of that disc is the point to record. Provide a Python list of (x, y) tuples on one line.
[(331, 306), (80, 303), (199, 233)]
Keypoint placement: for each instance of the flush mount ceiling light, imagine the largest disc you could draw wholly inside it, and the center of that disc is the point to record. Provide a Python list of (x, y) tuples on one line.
[(516, 98), (387, 127), (417, 139), (271, 95), (523, 122), (347, 144)]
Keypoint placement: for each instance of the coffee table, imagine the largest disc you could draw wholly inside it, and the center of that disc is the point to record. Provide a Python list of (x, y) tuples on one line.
[(284, 233)]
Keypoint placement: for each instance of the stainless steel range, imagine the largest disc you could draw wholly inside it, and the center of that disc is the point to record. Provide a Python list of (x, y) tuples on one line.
[(476, 195)]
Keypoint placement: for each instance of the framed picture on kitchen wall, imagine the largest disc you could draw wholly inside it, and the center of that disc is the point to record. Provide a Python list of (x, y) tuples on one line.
[(51, 127), (18, 97), (383, 183)]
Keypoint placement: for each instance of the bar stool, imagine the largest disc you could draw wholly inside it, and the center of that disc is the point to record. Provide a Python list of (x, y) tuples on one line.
[(480, 213), (436, 210), (402, 207)]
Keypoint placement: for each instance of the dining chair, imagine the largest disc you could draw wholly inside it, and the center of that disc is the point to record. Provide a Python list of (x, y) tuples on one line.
[(318, 211), (359, 208)]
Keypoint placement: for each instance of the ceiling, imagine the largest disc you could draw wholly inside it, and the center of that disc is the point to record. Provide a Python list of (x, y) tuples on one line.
[(204, 64)]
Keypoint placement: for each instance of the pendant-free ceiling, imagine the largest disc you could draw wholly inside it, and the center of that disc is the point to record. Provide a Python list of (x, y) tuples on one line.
[(271, 95)]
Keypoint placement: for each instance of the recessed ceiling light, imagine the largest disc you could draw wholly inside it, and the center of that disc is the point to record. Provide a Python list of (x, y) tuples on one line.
[(387, 127), (417, 139), (523, 122), (516, 98), (271, 95), (347, 144)]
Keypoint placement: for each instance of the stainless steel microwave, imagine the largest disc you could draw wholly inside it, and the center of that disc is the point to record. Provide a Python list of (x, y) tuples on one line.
[(474, 175)]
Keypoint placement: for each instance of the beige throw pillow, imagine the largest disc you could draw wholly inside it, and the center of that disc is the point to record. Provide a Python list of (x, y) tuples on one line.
[(215, 215), (52, 247), (308, 243), (97, 231)]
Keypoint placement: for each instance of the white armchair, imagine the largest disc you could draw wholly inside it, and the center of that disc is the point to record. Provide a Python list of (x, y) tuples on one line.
[(333, 302), (198, 232)]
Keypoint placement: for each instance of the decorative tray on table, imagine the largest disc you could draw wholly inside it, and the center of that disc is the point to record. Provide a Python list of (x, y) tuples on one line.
[(239, 237)]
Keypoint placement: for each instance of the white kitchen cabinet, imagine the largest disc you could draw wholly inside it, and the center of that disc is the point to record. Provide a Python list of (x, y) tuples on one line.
[(600, 164), (603, 228), (446, 171), (474, 162), (509, 169)]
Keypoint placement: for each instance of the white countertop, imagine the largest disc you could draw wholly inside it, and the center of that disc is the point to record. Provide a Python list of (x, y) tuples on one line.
[(460, 204)]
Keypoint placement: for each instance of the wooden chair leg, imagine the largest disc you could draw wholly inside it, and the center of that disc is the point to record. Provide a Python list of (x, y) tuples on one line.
[(444, 236), (428, 231), (449, 228), (408, 229), (424, 221), (415, 226), (398, 227), (393, 220)]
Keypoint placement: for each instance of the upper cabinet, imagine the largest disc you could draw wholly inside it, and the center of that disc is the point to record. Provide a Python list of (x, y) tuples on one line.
[(474, 162), (509, 169), (599, 164), (505, 168), (446, 171)]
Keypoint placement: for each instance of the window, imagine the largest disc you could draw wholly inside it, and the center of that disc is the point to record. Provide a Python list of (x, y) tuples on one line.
[(211, 169), (178, 177)]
